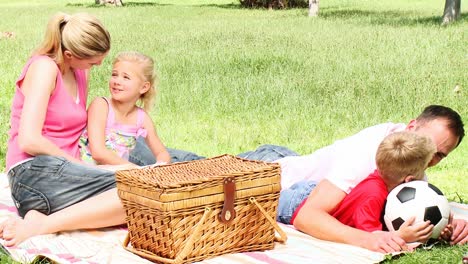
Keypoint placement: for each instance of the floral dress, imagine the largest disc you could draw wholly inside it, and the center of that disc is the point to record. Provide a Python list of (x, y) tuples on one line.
[(120, 138)]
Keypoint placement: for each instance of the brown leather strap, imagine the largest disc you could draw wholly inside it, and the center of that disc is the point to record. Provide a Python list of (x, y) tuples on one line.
[(228, 213)]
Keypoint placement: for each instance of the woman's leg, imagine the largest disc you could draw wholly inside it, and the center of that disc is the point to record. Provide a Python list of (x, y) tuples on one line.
[(178, 155), (268, 153), (49, 184), (102, 210), (291, 198), (141, 155), (54, 195)]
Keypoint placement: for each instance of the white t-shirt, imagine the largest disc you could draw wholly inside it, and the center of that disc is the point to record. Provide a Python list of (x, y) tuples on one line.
[(344, 163)]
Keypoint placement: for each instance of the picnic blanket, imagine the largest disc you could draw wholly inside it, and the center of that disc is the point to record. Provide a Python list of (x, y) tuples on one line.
[(105, 245)]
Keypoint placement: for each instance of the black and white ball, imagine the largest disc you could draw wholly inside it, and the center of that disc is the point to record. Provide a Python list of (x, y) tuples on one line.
[(420, 199)]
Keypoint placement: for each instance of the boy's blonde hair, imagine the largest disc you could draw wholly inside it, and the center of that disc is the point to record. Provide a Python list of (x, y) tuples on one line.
[(402, 154), (149, 74), (82, 34)]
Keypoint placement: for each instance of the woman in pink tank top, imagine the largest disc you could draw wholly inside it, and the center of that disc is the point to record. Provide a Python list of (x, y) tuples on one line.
[(53, 189)]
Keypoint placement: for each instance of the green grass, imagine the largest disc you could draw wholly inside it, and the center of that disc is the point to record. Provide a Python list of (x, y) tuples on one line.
[(232, 79)]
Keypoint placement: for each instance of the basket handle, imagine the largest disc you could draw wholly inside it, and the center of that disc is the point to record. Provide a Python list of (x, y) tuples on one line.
[(283, 237), (185, 251)]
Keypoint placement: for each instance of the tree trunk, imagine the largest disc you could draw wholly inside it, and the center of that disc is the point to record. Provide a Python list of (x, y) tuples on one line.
[(314, 7), (451, 11)]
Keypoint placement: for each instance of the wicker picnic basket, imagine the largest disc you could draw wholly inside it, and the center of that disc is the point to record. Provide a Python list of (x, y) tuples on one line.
[(190, 211)]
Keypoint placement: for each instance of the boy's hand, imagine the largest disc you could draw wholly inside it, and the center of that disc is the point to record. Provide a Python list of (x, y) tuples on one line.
[(411, 232), (447, 232), (386, 242)]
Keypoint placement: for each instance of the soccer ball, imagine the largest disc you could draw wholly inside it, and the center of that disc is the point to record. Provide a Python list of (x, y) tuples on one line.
[(420, 199)]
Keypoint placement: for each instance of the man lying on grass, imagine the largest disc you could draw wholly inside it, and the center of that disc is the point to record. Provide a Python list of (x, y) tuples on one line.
[(339, 167)]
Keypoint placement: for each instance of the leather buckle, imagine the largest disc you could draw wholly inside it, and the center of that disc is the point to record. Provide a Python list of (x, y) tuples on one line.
[(228, 213)]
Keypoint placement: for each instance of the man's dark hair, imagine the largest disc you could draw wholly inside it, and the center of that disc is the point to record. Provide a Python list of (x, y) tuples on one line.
[(454, 121)]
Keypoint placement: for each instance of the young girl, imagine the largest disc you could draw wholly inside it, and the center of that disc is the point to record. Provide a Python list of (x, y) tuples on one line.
[(115, 123)]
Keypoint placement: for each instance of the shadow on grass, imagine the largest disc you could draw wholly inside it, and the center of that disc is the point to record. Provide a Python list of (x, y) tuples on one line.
[(225, 6), (126, 4), (233, 5), (137, 4), (391, 18), (133, 4)]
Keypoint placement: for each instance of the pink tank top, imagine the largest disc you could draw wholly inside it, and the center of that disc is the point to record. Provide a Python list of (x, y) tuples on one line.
[(120, 138), (64, 121)]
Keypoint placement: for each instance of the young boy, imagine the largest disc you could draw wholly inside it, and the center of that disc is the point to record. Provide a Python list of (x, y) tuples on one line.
[(401, 157)]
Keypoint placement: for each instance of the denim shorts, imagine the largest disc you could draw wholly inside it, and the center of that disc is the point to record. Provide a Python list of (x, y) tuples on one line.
[(291, 198), (141, 155), (268, 153), (48, 184)]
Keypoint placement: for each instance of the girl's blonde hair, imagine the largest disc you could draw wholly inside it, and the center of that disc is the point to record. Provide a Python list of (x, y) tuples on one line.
[(402, 154), (82, 34), (148, 72)]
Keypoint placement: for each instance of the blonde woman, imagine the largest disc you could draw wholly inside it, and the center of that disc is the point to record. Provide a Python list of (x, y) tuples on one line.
[(53, 189)]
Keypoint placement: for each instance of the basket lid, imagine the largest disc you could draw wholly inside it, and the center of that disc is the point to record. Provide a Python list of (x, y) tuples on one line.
[(206, 172)]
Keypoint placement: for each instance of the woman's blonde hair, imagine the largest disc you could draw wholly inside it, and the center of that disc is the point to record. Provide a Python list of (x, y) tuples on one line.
[(82, 34), (402, 154), (147, 65)]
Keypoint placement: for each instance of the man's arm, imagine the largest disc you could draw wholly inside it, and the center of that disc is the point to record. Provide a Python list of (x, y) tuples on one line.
[(314, 219)]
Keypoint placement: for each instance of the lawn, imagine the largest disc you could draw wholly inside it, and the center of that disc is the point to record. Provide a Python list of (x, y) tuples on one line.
[(232, 79)]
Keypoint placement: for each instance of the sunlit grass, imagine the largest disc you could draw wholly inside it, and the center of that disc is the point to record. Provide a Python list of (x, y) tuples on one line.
[(232, 79)]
